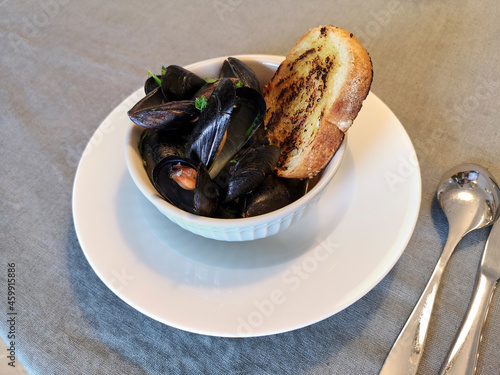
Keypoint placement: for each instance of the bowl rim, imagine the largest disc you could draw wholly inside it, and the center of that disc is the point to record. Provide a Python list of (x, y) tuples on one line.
[(138, 173)]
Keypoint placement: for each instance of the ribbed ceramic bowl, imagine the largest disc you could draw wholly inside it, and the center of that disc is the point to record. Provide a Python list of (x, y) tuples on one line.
[(230, 229)]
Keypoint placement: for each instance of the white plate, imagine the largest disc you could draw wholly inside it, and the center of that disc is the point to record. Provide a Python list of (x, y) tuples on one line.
[(336, 254)]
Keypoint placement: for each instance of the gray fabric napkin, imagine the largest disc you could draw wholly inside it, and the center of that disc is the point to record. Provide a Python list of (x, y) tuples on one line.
[(66, 65)]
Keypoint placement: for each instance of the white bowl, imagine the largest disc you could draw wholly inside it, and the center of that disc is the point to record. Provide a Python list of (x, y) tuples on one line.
[(245, 229)]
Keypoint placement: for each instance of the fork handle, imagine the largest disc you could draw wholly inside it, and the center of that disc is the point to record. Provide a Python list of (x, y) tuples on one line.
[(462, 357)]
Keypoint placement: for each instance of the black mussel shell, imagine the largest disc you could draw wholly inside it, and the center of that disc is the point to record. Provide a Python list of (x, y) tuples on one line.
[(210, 129), (180, 84), (168, 188), (170, 115), (202, 200), (250, 105), (273, 194), (151, 100), (222, 178), (237, 68), (156, 145), (206, 90), (226, 71), (228, 210), (248, 114), (206, 193), (251, 169), (151, 84), (259, 137)]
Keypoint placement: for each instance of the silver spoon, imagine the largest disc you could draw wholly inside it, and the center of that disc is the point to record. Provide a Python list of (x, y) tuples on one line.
[(470, 200)]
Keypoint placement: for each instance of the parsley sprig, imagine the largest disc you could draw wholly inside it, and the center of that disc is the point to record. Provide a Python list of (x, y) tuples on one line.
[(200, 103)]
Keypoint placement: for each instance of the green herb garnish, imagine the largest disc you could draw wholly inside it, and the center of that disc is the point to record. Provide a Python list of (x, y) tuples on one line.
[(200, 103), (249, 130), (158, 81), (163, 70), (238, 84), (211, 80)]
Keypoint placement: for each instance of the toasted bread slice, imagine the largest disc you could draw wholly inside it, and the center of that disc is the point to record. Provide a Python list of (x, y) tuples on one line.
[(313, 98)]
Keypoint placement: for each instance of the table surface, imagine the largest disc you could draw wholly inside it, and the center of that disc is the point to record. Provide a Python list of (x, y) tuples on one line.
[(67, 64)]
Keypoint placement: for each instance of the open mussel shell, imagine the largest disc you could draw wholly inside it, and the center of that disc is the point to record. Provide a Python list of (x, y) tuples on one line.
[(151, 100), (274, 193), (180, 84), (206, 90), (165, 184), (156, 145), (209, 87), (186, 185), (247, 115), (234, 68), (251, 169), (170, 115), (151, 84), (209, 132)]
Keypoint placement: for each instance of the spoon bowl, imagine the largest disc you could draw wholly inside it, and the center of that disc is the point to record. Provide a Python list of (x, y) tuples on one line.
[(469, 197)]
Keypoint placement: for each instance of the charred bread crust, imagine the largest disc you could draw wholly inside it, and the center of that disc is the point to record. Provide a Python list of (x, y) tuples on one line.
[(314, 97)]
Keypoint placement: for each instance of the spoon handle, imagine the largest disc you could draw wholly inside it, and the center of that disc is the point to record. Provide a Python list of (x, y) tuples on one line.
[(462, 358), (407, 350)]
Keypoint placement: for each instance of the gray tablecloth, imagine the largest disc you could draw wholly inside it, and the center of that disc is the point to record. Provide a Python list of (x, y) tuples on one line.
[(67, 64)]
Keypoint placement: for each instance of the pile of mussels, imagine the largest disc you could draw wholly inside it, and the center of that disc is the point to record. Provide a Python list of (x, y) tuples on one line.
[(203, 147)]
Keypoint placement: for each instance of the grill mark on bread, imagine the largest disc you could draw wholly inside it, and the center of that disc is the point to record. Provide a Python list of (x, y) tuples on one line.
[(288, 93), (275, 119), (286, 78), (292, 141), (308, 52), (295, 88), (302, 57), (304, 109)]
